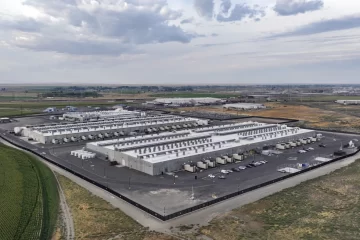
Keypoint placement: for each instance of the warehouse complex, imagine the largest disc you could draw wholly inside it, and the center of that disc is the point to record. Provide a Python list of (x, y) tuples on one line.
[(244, 106), (186, 101), (172, 151), (91, 116), (348, 102), (106, 128)]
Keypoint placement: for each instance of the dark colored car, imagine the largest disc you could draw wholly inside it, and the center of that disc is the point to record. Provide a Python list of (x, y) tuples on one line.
[(235, 169), (322, 145), (249, 166)]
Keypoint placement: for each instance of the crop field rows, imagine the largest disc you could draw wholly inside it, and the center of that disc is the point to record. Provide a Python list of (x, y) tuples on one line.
[(25, 212)]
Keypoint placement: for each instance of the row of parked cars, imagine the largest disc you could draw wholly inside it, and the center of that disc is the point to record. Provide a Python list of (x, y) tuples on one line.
[(224, 172)]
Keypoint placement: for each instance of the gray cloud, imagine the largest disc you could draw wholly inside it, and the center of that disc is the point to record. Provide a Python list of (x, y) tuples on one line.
[(294, 7), (205, 8), (227, 12), (24, 25), (241, 11), (122, 23), (225, 6), (347, 22), (77, 47), (187, 21)]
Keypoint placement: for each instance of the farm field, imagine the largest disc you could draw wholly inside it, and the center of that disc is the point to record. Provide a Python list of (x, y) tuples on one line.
[(194, 95), (29, 208), (324, 208), (94, 218), (311, 116), (8, 109), (328, 98)]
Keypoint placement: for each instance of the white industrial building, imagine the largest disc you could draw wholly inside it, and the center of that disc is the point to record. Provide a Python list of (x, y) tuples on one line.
[(183, 101), (244, 106), (73, 132), (348, 102), (172, 151), (90, 116)]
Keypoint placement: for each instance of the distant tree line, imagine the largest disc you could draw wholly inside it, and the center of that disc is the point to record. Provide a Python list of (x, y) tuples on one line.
[(72, 94)]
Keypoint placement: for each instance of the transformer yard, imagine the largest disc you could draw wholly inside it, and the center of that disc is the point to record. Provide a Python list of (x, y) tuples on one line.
[(168, 163)]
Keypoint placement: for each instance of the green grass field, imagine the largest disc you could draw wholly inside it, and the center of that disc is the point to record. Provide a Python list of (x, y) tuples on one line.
[(193, 95), (8, 109), (29, 199)]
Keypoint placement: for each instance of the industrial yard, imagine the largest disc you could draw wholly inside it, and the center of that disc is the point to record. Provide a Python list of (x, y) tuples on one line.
[(168, 163)]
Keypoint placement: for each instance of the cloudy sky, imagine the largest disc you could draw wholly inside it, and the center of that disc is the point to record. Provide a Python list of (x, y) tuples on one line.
[(179, 41)]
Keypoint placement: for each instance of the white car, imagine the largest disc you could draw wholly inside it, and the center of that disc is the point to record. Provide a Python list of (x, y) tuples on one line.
[(242, 167), (301, 151), (310, 149), (224, 171), (258, 163), (211, 176), (263, 162)]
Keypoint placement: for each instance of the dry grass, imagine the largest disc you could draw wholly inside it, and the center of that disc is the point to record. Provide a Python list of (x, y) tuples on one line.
[(314, 117), (94, 218), (323, 208)]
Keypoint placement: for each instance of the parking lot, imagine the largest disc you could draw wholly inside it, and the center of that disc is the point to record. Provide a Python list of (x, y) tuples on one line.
[(169, 193)]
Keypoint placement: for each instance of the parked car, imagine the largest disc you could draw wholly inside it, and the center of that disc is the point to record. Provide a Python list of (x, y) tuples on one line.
[(322, 145), (224, 171), (310, 149), (211, 176), (235, 169), (222, 177), (242, 167), (250, 165), (302, 151)]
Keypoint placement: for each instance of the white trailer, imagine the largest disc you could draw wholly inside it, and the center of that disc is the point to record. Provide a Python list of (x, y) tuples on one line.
[(211, 163), (238, 157), (221, 160), (202, 165), (280, 146), (228, 159), (190, 168)]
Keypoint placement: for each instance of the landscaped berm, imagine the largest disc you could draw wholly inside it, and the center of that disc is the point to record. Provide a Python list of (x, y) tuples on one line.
[(28, 197)]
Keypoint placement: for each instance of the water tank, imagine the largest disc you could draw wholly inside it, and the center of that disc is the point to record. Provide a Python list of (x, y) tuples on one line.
[(84, 138), (91, 137), (107, 135), (66, 140), (73, 139), (122, 134), (116, 134), (54, 141), (100, 135)]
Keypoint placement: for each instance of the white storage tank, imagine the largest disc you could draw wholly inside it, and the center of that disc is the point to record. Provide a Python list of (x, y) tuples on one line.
[(228, 159), (66, 140), (91, 137), (293, 144), (100, 135), (122, 133), (84, 138), (107, 135), (73, 139), (116, 134), (55, 141)]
